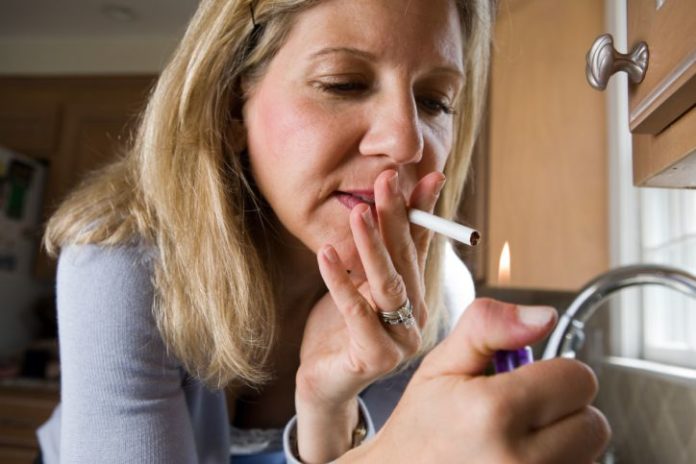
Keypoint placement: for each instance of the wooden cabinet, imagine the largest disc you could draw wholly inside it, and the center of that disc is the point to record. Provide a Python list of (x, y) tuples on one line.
[(662, 107), (546, 174), (22, 411), (74, 124)]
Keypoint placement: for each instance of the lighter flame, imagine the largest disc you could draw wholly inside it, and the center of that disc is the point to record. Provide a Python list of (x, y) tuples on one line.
[(504, 265)]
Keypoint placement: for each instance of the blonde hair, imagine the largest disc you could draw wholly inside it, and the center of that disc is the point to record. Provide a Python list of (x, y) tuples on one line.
[(183, 189)]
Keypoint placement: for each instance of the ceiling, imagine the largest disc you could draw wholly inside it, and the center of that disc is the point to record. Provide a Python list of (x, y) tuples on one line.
[(22, 19)]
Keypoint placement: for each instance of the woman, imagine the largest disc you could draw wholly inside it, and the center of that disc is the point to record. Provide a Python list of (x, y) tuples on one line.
[(235, 272)]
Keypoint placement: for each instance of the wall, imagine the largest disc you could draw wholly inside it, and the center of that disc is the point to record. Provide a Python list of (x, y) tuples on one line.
[(84, 55)]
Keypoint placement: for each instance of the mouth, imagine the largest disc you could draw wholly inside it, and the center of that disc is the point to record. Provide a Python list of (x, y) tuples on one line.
[(351, 199)]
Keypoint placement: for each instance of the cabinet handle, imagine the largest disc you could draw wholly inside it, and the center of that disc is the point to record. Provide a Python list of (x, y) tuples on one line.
[(603, 60)]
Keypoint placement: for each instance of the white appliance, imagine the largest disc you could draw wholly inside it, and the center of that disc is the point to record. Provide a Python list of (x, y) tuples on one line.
[(22, 181)]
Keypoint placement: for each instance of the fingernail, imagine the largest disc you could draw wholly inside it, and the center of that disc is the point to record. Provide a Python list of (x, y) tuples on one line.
[(330, 254), (535, 316), (394, 184), (439, 185), (367, 217)]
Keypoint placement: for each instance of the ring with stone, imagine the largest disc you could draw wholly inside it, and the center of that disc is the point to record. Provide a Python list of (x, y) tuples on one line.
[(402, 315)]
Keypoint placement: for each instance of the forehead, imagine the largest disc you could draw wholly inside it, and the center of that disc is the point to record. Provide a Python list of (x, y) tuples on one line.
[(416, 31)]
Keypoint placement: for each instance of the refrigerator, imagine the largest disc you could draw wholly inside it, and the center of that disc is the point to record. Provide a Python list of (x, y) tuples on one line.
[(22, 181)]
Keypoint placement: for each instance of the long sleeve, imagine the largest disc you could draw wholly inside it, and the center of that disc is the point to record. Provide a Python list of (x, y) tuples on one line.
[(122, 398)]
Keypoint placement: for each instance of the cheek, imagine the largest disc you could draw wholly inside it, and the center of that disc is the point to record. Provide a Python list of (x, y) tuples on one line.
[(279, 128), (290, 137), (294, 153)]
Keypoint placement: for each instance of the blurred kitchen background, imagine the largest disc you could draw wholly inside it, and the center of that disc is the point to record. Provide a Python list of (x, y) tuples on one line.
[(574, 180)]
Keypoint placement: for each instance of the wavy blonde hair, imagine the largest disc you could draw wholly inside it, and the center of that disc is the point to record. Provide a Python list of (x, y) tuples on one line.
[(182, 189)]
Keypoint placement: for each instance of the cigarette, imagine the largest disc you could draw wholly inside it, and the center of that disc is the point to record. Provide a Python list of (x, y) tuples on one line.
[(458, 232)]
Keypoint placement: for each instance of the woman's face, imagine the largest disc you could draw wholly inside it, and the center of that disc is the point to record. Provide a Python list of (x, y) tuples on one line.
[(358, 87)]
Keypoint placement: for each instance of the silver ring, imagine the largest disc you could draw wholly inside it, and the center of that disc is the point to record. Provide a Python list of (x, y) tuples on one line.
[(402, 315)]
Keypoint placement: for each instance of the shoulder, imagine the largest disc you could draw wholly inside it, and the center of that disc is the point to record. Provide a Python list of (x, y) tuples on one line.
[(107, 273), (127, 262), (105, 299), (458, 287)]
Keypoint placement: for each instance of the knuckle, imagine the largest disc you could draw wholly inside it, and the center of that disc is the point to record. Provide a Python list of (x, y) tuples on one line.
[(589, 378), (491, 307), (581, 376), (598, 428), (407, 253), (355, 307), (393, 286)]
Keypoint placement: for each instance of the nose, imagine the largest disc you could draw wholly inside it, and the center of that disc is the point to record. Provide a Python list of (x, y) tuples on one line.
[(393, 129)]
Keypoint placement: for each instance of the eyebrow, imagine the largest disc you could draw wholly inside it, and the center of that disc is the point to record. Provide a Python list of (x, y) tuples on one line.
[(453, 70), (349, 50)]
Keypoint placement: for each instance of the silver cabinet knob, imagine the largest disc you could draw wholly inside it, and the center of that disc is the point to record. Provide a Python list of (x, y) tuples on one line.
[(603, 60)]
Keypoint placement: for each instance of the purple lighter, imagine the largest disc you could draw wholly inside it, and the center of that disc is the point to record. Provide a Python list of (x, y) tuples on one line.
[(506, 361)]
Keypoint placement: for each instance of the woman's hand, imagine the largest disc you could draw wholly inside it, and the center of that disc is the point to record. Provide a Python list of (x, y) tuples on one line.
[(450, 413), (345, 346)]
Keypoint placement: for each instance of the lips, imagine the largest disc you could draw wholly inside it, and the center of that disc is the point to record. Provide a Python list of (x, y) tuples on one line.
[(350, 199)]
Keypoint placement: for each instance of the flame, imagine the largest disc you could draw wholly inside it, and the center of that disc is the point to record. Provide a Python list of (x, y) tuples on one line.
[(504, 265)]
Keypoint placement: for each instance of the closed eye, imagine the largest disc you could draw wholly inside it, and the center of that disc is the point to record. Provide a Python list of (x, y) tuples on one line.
[(436, 106), (342, 87)]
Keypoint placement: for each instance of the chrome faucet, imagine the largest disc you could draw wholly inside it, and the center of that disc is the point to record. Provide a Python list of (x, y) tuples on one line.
[(568, 336)]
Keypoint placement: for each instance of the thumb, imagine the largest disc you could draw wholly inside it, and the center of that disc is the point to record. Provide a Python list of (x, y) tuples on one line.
[(486, 327)]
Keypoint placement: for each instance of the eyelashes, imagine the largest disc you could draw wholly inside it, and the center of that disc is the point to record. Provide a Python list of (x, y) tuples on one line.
[(437, 106), (355, 89), (343, 87)]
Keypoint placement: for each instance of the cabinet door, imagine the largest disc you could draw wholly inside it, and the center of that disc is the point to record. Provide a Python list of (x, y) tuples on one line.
[(662, 115), (22, 411), (547, 147), (668, 89)]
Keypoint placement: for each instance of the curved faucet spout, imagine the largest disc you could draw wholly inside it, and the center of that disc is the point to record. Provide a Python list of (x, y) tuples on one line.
[(568, 336)]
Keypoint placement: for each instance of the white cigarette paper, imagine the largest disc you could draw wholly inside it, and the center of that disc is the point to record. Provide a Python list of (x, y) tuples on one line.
[(458, 232)]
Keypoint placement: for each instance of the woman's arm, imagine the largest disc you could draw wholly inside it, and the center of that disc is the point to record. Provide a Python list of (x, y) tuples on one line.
[(122, 397)]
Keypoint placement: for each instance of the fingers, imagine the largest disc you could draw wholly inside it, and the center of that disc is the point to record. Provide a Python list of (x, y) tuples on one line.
[(579, 438), (395, 229), (408, 256), (544, 392), (386, 284), (405, 242), (485, 327), (424, 197), (364, 328)]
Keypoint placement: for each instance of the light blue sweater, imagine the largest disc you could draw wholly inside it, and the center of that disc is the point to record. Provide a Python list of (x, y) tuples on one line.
[(124, 399)]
